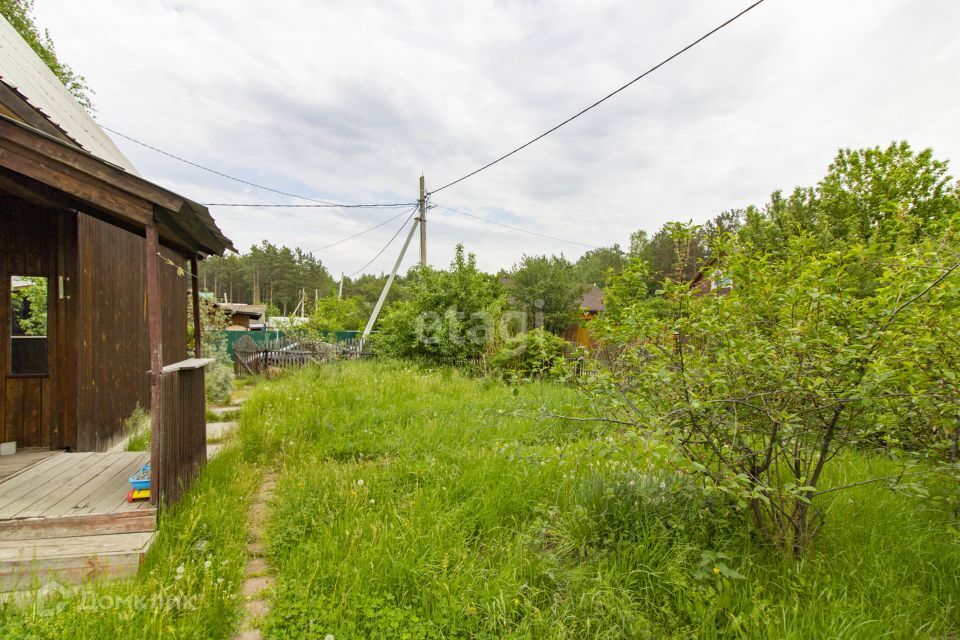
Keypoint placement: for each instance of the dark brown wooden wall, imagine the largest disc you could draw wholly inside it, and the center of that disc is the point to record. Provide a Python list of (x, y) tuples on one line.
[(114, 357), (30, 408)]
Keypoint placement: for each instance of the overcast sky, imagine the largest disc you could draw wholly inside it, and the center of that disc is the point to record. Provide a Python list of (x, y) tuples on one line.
[(351, 101)]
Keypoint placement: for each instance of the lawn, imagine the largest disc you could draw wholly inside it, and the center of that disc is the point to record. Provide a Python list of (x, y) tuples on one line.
[(426, 504), (417, 503)]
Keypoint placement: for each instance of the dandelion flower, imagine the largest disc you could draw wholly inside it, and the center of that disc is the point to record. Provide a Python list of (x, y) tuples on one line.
[(716, 571), (360, 482)]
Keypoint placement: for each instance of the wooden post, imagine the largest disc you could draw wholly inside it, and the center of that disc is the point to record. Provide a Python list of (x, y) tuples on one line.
[(156, 359), (195, 296)]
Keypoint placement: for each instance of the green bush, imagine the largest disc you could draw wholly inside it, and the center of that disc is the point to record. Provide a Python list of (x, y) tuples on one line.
[(449, 318), (536, 354), (218, 382)]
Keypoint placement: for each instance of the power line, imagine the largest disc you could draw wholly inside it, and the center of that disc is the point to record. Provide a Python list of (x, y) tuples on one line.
[(360, 233), (385, 247), (325, 203), (605, 98), (520, 229), (309, 206)]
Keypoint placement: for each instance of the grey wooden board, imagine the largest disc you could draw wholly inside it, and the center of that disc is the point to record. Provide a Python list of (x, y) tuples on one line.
[(71, 484)]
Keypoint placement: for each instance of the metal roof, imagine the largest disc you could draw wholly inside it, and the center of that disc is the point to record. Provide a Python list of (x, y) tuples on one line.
[(25, 73)]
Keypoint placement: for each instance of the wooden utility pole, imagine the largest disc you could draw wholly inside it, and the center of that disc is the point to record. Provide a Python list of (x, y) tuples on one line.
[(340, 292), (423, 222)]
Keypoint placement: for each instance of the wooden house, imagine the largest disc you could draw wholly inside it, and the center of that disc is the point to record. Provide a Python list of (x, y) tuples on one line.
[(244, 317), (96, 266), (710, 278)]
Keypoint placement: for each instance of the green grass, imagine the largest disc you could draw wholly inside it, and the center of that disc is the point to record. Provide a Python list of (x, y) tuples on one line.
[(425, 504)]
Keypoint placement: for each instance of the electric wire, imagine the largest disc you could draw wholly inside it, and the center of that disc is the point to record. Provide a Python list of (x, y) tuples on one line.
[(309, 206), (605, 98), (360, 233), (520, 229), (385, 247), (326, 203)]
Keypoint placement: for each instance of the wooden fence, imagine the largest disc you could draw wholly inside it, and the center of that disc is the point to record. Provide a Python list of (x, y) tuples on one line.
[(179, 443), (251, 359)]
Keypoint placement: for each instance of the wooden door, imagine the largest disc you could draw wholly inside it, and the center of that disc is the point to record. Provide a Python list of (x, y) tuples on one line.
[(28, 324)]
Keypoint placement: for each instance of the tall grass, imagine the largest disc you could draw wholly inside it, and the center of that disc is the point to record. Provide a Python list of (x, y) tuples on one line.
[(416, 503), (426, 504)]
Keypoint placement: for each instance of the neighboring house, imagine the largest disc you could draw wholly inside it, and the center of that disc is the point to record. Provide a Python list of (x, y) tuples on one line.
[(245, 317), (711, 279), (115, 252), (591, 305)]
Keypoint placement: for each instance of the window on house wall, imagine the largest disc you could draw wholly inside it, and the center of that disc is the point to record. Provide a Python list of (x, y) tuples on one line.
[(28, 331)]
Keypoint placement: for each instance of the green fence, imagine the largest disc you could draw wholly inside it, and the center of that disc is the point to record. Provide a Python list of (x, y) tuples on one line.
[(270, 335)]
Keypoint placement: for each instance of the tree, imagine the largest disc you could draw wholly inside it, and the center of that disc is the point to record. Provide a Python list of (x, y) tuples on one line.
[(331, 314), (450, 316), (840, 333), (639, 240), (596, 265), (547, 290), (759, 390), (275, 275), (19, 13), (893, 197)]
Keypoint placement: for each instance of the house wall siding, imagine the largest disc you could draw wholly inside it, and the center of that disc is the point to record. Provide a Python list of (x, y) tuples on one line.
[(113, 360)]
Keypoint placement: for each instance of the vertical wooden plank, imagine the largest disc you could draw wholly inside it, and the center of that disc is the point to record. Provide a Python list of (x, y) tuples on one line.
[(14, 410), (31, 432), (195, 298), (152, 249), (64, 392)]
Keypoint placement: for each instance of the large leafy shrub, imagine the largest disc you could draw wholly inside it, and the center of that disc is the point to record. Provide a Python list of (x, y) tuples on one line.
[(535, 354), (760, 389), (450, 316)]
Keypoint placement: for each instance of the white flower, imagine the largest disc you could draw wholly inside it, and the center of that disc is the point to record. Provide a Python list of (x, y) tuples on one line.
[(329, 636), (360, 482), (372, 501), (180, 570), (206, 564)]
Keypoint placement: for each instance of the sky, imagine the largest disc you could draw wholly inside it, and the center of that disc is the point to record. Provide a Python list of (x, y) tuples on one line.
[(352, 101)]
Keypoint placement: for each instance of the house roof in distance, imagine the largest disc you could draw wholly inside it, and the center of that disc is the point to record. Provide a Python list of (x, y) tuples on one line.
[(251, 310), (592, 299), (24, 73)]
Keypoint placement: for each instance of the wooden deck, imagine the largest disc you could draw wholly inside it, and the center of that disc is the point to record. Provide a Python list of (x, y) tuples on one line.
[(65, 517), (68, 484), (12, 465)]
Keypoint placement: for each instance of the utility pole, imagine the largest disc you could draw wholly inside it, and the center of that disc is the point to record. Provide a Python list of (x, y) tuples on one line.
[(423, 222), (340, 292), (386, 288)]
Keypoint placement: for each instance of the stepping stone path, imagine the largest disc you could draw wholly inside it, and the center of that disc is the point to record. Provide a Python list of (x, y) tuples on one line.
[(217, 431), (258, 580)]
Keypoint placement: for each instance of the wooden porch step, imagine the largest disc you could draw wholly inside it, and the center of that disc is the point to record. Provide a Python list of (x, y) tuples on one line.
[(140, 521), (71, 560)]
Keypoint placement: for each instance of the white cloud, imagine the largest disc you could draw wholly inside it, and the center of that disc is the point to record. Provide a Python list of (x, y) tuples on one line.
[(351, 101)]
